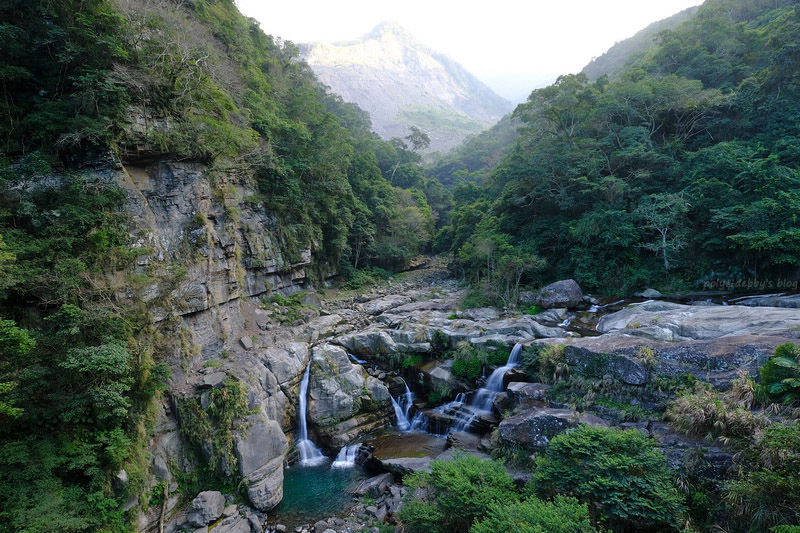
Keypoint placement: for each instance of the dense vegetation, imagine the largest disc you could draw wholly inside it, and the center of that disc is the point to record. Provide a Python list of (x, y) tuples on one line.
[(680, 172), (89, 83), (587, 477)]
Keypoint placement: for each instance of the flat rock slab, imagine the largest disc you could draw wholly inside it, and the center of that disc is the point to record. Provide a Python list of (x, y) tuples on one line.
[(630, 358), (376, 307), (213, 381), (676, 322), (791, 301), (374, 486)]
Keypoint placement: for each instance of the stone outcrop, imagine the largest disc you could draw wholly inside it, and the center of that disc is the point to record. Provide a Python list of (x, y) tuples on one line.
[(667, 321), (202, 271), (637, 360), (565, 293), (261, 450), (344, 401), (206, 507)]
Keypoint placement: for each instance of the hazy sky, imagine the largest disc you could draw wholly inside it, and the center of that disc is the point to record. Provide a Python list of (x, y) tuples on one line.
[(512, 45)]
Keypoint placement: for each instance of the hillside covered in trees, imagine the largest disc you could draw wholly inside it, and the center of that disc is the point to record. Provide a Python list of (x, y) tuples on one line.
[(126, 84), (681, 171)]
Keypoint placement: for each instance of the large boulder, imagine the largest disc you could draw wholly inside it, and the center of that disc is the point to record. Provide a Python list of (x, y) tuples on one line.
[(535, 427), (369, 343), (564, 293), (526, 395), (286, 361), (205, 508), (261, 450), (344, 402), (628, 369), (334, 386)]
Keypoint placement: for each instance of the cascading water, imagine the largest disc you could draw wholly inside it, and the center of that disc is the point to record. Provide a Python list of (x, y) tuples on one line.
[(356, 359), (463, 414), (346, 457), (402, 419), (310, 455), (402, 408), (494, 385)]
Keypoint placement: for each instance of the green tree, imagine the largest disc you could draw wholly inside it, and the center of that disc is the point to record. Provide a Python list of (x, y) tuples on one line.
[(454, 494), (562, 515), (621, 475), (15, 345), (663, 213)]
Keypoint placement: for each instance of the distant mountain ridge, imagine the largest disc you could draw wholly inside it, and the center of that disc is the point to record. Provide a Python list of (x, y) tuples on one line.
[(401, 82)]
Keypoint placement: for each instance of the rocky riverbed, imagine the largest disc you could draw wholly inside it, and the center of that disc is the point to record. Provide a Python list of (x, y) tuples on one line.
[(360, 347)]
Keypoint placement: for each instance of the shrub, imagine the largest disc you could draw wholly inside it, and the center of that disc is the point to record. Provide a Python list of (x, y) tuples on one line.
[(767, 492), (717, 415), (468, 361), (562, 515), (411, 360), (366, 277), (454, 494), (552, 365), (620, 474), (780, 376), (533, 310)]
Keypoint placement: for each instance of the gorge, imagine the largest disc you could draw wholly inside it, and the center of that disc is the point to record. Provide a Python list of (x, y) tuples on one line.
[(226, 304)]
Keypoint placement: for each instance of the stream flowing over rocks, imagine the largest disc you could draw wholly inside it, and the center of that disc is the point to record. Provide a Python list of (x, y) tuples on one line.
[(220, 331)]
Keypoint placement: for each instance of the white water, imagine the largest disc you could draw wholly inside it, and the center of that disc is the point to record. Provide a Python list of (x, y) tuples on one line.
[(402, 419), (310, 455), (356, 359), (402, 408), (419, 422), (346, 457), (485, 396), (462, 412)]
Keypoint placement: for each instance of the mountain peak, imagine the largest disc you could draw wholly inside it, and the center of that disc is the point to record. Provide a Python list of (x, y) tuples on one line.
[(401, 82)]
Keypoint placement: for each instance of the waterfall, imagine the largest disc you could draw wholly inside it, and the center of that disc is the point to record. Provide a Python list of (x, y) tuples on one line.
[(310, 455), (356, 359), (402, 408), (420, 422), (346, 457), (494, 385), (402, 419)]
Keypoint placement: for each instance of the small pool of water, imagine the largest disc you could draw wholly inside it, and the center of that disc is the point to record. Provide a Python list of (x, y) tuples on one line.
[(391, 444), (312, 493)]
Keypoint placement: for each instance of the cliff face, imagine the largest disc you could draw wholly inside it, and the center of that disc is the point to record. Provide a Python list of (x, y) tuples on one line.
[(205, 260), (400, 83)]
